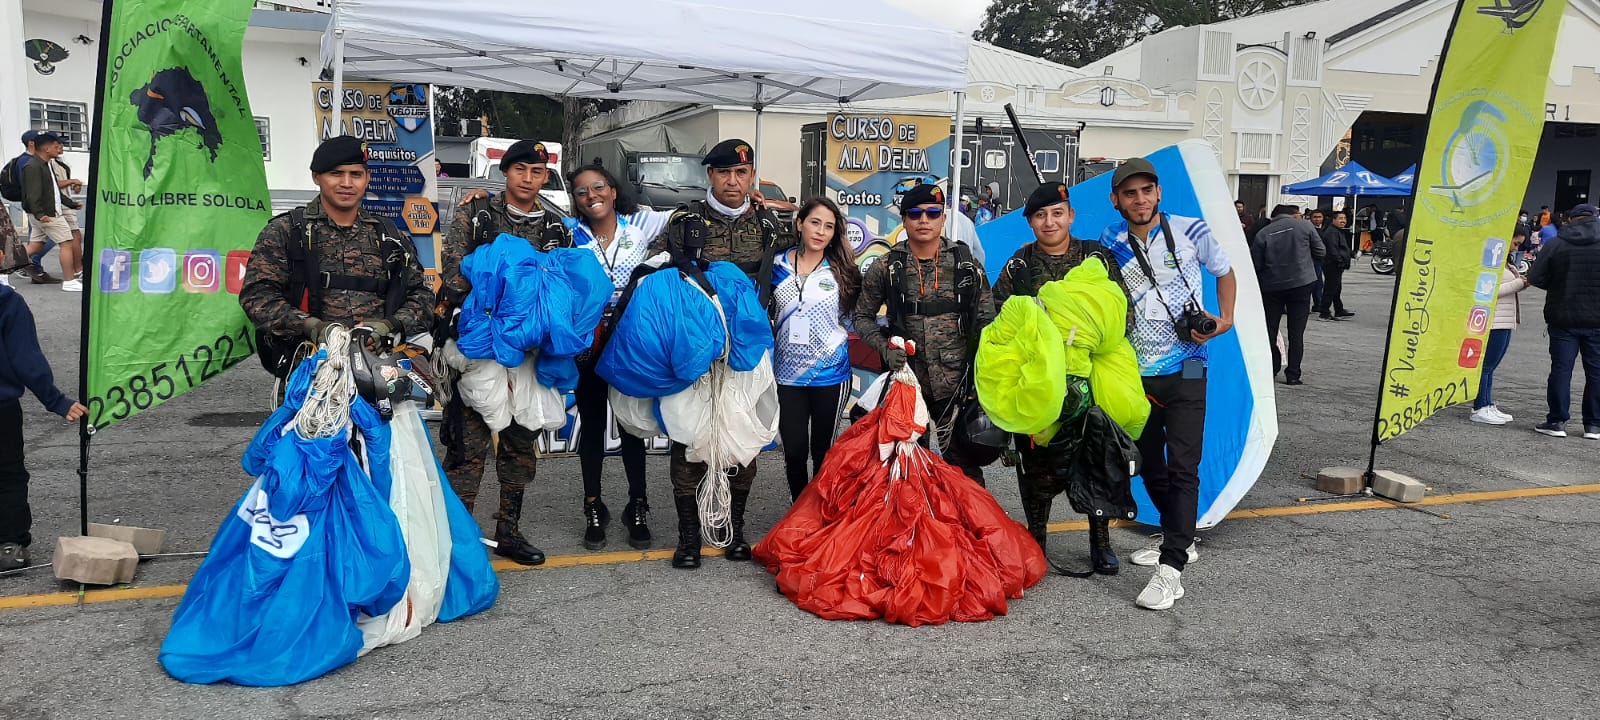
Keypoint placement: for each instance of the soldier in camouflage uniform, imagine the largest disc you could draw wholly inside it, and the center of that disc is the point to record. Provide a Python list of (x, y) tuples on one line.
[(745, 233), (355, 256), (517, 211), (938, 296), (1042, 472)]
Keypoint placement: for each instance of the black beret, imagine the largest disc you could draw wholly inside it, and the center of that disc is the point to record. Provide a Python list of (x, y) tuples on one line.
[(922, 194), (525, 151), (342, 150), (1044, 196), (729, 153)]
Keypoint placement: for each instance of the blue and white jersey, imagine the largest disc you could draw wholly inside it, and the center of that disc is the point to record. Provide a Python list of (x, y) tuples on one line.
[(1155, 340), (630, 247), (811, 338)]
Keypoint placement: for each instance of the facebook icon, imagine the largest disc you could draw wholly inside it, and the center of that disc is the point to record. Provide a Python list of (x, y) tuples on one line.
[(116, 270)]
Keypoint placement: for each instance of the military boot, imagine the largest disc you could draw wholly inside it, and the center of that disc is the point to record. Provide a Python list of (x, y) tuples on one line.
[(687, 555), (636, 517), (1036, 510), (508, 540), (1100, 550), (595, 519), (738, 549)]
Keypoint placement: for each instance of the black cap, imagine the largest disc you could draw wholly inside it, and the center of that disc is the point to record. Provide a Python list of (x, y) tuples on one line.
[(45, 137), (922, 194), (525, 151), (342, 150), (1044, 196), (1582, 210), (29, 135), (729, 153), (1130, 168)]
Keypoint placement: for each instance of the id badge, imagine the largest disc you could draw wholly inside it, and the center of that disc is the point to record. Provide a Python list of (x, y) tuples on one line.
[(799, 333), (1153, 309)]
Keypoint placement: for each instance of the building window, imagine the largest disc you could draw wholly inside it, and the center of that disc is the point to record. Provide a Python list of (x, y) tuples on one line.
[(70, 120), (994, 159), (1049, 161), (264, 134)]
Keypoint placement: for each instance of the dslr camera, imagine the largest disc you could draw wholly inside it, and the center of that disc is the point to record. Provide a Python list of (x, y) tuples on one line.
[(1194, 320)]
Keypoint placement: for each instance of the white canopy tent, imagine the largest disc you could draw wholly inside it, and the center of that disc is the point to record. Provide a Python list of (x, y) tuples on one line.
[(754, 53)]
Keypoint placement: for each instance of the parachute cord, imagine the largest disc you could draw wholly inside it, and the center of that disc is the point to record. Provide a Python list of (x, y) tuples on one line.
[(326, 412), (715, 493)]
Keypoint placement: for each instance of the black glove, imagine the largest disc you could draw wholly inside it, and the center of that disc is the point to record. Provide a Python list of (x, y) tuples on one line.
[(894, 358)]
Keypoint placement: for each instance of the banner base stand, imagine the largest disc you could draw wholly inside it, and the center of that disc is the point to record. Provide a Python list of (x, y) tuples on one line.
[(1394, 486), (1341, 481)]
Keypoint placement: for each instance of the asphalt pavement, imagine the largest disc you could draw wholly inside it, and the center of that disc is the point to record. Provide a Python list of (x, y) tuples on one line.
[(1480, 606)]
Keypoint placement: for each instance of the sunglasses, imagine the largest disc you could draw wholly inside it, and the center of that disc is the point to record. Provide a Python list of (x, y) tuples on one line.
[(595, 188), (916, 213)]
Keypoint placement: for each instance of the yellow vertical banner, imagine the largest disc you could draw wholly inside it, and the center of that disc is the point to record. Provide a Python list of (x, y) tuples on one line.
[(1484, 124)]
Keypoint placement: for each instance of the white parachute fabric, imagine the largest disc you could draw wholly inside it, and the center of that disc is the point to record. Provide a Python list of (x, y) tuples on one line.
[(416, 495)]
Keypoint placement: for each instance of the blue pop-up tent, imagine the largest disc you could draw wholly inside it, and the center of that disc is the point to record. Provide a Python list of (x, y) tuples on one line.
[(1352, 179), (1406, 179)]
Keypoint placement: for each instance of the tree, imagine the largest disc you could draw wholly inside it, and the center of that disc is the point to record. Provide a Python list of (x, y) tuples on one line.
[(518, 115), (1079, 32)]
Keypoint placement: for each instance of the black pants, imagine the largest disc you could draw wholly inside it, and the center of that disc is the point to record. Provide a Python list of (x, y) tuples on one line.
[(940, 408), (594, 421), (808, 418), (1296, 303), (1332, 285), (1171, 445), (15, 516)]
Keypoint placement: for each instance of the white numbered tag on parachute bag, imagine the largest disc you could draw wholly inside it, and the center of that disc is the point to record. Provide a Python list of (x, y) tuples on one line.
[(535, 406), (483, 387), (416, 495), (635, 416)]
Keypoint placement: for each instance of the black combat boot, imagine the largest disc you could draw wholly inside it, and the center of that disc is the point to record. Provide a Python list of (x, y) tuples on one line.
[(508, 540), (738, 549), (1036, 511), (636, 517), (687, 555), (1100, 550), (595, 519)]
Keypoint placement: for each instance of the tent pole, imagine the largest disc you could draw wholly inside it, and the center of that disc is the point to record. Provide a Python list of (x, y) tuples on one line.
[(338, 81), (756, 156), (955, 155)]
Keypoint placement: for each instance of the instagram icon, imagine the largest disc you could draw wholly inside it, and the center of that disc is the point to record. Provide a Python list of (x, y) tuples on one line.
[(201, 273)]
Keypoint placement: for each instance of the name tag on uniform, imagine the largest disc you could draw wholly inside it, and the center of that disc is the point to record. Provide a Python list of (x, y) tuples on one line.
[(798, 332), (1153, 309)]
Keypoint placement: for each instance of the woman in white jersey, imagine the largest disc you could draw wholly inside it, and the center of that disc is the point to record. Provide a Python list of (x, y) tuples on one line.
[(815, 285), (610, 223)]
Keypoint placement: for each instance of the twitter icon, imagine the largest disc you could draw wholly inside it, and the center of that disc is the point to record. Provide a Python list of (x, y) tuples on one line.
[(158, 270)]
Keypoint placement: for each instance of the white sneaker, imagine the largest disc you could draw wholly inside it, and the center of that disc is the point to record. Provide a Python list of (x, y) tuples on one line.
[(72, 286), (1488, 416), (1151, 554), (1164, 589), (5, 279), (1591, 433), (1503, 415)]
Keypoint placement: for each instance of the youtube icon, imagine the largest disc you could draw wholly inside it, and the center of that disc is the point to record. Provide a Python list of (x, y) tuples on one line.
[(1471, 353)]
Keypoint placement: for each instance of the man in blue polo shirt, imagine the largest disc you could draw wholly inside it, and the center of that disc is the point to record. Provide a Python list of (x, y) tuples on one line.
[(1162, 257)]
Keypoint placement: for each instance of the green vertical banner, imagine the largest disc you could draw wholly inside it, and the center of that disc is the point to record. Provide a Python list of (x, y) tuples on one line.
[(1484, 123), (179, 194)]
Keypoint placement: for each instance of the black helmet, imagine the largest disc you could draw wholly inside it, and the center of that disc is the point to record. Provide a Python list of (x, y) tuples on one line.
[(387, 378), (977, 437)]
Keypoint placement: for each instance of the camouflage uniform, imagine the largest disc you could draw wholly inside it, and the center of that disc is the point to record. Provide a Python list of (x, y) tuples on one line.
[(1043, 473), (354, 250), (736, 240), (515, 461), (944, 348)]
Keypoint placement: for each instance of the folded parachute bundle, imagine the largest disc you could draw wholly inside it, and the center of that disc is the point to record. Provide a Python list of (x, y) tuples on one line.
[(690, 356), (525, 299), (1076, 327), (313, 566)]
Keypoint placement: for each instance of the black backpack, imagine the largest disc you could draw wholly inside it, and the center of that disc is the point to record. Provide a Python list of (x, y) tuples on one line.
[(306, 283), (898, 297), (11, 178)]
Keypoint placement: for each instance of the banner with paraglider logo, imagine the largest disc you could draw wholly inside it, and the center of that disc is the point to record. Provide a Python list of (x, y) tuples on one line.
[(1484, 124), (395, 120), (179, 194)]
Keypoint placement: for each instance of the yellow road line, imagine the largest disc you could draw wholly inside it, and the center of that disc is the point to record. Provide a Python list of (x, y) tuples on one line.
[(154, 592)]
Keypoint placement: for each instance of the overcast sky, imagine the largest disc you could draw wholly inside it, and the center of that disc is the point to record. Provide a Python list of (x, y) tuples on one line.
[(962, 14)]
